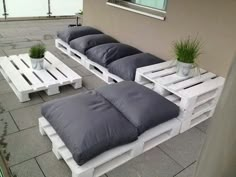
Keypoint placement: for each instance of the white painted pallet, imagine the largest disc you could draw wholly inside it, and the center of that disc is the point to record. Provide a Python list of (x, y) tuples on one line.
[(115, 157), (196, 95), (95, 68), (24, 80)]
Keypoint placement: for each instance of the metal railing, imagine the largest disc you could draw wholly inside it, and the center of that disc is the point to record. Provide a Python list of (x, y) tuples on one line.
[(39, 8), (4, 9)]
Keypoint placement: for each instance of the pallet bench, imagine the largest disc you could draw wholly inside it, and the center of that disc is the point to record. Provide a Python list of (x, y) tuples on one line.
[(113, 158), (196, 95), (95, 68), (24, 80)]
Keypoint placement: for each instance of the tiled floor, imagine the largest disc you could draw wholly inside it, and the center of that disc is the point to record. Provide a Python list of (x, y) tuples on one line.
[(28, 154)]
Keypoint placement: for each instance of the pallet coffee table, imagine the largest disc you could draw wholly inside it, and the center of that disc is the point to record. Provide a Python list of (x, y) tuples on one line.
[(196, 95), (24, 80)]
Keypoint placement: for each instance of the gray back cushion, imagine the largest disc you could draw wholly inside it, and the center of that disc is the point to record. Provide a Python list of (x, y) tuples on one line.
[(84, 43), (75, 32), (126, 67), (88, 125), (107, 53), (143, 107)]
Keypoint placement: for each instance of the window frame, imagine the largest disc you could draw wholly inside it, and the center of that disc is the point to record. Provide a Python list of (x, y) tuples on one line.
[(140, 9)]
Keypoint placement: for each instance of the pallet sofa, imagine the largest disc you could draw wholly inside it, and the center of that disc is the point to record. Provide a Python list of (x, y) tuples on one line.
[(99, 130), (96, 131), (103, 55)]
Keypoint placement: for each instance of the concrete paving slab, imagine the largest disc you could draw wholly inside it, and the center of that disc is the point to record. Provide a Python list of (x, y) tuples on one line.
[(65, 91), (204, 126), (16, 51), (28, 168), (82, 71), (188, 172), (185, 148), (27, 117), (4, 87), (9, 102), (93, 82), (52, 167), (151, 164), (25, 145), (7, 125)]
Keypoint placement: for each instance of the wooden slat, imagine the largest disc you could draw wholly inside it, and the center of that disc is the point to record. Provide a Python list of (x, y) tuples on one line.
[(62, 67), (25, 57), (155, 75), (19, 63), (174, 78), (204, 87), (149, 85), (43, 122), (172, 98), (192, 81), (19, 82), (59, 77), (46, 78), (36, 83), (52, 59), (69, 73), (65, 153), (50, 131), (156, 67)]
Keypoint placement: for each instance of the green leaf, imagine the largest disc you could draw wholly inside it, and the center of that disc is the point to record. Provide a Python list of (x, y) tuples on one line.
[(37, 51), (187, 50)]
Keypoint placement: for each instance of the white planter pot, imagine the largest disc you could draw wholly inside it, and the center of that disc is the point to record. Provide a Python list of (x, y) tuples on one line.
[(37, 64), (184, 69)]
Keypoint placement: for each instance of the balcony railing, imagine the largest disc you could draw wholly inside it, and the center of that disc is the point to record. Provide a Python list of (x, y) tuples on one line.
[(39, 8)]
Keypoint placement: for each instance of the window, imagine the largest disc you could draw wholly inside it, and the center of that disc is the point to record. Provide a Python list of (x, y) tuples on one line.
[(157, 4), (151, 8)]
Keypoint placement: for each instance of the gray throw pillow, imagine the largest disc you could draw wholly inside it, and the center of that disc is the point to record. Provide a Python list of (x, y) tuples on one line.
[(84, 43), (107, 53), (126, 67), (75, 32)]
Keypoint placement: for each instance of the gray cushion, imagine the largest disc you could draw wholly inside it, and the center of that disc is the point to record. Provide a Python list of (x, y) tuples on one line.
[(75, 32), (126, 67), (84, 43), (88, 125), (107, 53), (143, 107)]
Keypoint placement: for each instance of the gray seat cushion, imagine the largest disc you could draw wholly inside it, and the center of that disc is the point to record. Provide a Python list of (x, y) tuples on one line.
[(126, 67), (75, 32), (107, 53), (88, 125), (143, 107), (84, 43)]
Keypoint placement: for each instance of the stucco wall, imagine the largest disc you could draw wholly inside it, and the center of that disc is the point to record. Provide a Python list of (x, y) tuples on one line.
[(214, 21)]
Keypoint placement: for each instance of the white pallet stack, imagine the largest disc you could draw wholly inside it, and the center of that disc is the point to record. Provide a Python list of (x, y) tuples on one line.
[(24, 80), (196, 95), (95, 68), (113, 158)]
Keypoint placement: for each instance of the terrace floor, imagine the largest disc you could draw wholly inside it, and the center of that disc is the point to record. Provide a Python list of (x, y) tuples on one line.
[(29, 154)]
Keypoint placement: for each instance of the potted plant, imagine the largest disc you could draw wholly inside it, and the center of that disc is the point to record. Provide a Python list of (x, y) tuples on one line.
[(36, 54), (186, 52)]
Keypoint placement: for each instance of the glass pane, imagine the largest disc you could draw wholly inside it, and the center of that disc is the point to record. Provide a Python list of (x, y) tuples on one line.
[(157, 4), (66, 7), (27, 8), (1, 9), (38, 8)]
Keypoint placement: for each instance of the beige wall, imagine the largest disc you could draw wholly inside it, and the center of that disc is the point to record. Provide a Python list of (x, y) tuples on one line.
[(214, 21)]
